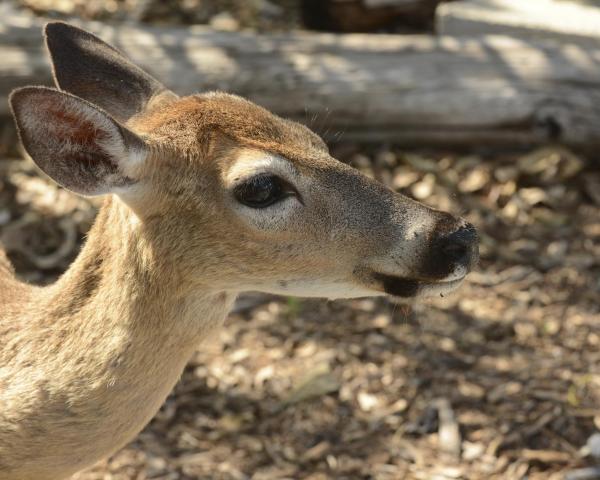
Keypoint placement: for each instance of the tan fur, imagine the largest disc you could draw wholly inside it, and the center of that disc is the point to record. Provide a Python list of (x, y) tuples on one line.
[(85, 363)]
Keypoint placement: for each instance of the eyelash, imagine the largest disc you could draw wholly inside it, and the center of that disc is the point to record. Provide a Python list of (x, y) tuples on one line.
[(267, 189)]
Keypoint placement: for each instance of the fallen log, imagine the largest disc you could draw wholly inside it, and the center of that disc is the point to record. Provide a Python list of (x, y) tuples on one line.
[(404, 89), (566, 22)]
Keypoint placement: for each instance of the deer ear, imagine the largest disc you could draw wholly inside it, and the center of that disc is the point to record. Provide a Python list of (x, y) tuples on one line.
[(77, 145), (87, 67)]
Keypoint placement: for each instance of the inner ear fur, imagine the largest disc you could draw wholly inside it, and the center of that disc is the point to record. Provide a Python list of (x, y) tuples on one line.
[(76, 144), (91, 69)]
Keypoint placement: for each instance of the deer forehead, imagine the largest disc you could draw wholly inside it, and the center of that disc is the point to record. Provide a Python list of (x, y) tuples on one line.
[(189, 122), (226, 138)]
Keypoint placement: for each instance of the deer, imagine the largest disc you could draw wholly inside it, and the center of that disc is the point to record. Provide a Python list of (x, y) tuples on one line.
[(205, 196)]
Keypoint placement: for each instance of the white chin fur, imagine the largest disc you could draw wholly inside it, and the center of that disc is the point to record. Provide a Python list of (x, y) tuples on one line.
[(442, 288), (339, 290), (330, 290), (458, 274)]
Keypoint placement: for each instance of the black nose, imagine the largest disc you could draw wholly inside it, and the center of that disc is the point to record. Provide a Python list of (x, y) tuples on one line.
[(461, 246)]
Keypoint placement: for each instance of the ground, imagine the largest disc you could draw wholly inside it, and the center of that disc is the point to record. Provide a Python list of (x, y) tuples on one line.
[(500, 380)]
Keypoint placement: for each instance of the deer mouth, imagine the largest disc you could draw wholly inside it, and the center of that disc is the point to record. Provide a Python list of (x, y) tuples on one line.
[(402, 287)]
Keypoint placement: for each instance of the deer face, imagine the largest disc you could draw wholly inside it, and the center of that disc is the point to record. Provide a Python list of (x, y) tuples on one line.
[(288, 217), (229, 194), (318, 228)]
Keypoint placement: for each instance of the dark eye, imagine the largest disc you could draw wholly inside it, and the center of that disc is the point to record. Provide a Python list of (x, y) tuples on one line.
[(262, 191)]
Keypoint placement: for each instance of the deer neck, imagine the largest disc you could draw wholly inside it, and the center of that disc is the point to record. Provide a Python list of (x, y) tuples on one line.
[(122, 289), (120, 282), (119, 329)]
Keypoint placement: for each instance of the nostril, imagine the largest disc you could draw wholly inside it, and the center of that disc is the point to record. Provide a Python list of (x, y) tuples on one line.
[(460, 245), (455, 251)]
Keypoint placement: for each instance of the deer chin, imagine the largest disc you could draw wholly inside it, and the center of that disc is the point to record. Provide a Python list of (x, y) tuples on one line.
[(439, 288), (402, 288)]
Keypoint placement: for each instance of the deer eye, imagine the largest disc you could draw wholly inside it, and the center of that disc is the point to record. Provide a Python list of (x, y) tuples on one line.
[(262, 191)]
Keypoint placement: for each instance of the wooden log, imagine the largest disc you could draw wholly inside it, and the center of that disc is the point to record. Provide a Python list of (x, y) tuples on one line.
[(404, 89), (566, 22)]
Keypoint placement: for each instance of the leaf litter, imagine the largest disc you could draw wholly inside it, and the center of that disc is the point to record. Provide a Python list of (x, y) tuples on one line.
[(500, 380)]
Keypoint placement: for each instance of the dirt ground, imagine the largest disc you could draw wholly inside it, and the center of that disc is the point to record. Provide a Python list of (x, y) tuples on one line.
[(500, 380)]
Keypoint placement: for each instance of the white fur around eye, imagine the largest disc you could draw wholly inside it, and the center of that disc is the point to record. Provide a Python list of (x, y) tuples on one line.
[(256, 162), (276, 216)]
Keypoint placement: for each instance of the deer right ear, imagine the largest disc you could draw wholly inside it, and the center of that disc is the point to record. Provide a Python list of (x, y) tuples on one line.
[(87, 67), (77, 145)]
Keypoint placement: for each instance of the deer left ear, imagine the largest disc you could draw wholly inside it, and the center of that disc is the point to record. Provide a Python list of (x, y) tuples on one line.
[(76, 144), (86, 66)]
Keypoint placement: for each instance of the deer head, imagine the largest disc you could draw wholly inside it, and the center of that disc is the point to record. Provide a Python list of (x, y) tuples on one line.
[(226, 194)]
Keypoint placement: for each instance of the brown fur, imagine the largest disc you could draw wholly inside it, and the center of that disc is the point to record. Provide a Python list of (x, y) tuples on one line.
[(85, 363), (199, 115)]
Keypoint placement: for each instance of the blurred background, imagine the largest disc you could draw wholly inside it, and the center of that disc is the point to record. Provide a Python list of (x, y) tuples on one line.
[(487, 108)]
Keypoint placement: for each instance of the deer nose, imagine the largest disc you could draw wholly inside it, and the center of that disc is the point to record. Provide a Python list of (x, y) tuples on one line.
[(461, 246)]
